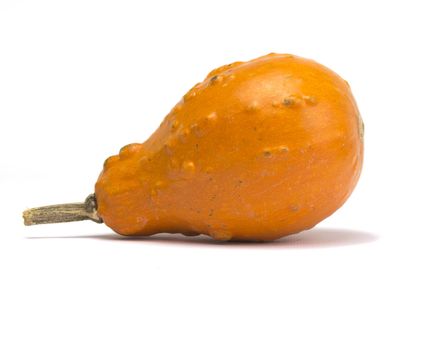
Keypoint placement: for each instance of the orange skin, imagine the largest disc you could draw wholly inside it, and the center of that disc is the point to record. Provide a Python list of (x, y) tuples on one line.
[(257, 151)]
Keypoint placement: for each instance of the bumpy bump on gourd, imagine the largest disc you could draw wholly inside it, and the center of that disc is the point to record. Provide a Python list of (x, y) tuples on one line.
[(258, 150)]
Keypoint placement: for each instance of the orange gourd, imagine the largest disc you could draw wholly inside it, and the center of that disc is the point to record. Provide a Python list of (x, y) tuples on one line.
[(257, 151)]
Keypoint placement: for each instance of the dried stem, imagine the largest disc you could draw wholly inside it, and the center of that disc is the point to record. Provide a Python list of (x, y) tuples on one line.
[(63, 213)]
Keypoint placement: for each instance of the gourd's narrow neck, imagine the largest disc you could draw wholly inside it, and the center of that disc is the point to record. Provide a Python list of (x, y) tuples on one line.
[(63, 213)]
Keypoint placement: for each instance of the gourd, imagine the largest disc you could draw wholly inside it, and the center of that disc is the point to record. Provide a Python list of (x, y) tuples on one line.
[(257, 151)]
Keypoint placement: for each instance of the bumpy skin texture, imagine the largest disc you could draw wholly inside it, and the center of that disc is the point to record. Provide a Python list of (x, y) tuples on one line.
[(257, 151)]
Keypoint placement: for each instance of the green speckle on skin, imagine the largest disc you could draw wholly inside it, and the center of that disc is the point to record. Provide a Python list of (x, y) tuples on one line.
[(289, 102), (215, 79), (267, 154)]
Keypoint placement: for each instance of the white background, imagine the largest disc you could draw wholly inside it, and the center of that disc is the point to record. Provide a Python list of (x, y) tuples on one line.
[(79, 79)]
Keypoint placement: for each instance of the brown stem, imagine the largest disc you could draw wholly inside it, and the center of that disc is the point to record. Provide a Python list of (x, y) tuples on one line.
[(63, 213)]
